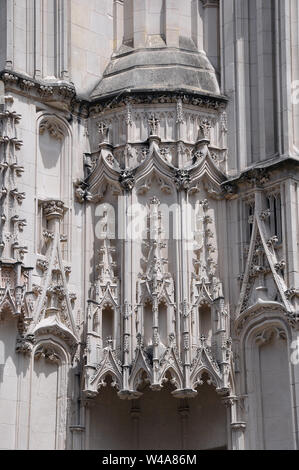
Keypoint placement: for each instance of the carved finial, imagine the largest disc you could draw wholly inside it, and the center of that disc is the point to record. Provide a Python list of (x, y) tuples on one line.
[(106, 265)]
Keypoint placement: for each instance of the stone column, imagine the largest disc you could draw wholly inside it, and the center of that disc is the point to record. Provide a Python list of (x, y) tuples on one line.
[(211, 31), (77, 437), (38, 42), (197, 24), (118, 23), (127, 183), (135, 416), (182, 181), (88, 405), (54, 211), (140, 23), (236, 427), (172, 29), (184, 413)]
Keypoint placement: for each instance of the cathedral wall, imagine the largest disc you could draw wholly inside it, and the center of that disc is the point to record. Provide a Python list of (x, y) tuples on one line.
[(3, 35), (293, 21), (92, 41), (109, 423), (50, 165), (43, 405), (9, 389), (207, 425), (248, 242), (268, 385), (259, 41), (34, 391), (157, 421)]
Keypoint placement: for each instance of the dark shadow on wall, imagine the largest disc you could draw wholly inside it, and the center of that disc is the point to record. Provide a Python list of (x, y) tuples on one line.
[(158, 421)]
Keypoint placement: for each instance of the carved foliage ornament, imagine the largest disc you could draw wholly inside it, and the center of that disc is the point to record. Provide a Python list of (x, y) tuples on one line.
[(53, 209), (127, 180), (54, 129)]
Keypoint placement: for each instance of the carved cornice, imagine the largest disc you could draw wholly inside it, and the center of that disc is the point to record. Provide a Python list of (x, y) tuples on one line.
[(261, 177), (215, 103), (259, 310), (63, 94), (210, 3), (58, 90)]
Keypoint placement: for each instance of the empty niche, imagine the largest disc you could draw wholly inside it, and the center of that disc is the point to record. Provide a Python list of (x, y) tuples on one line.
[(163, 323), (107, 324), (205, 323), (148, 323)]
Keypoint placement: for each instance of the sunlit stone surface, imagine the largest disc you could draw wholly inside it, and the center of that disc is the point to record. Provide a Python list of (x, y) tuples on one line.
[(149, 268)]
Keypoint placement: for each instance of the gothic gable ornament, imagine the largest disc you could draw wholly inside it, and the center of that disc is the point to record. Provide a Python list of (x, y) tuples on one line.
[(261, 268)]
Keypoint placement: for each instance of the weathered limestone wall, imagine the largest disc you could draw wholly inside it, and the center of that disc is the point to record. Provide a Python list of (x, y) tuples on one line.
[(238, 288)]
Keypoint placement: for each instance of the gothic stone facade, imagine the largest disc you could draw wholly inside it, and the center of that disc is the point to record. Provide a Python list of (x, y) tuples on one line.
[(184, 337)]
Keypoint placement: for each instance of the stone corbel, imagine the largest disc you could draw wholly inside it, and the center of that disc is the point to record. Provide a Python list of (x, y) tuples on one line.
[(20, 223), (3, 192), (11, 140), (25, 344), (10, 115), (42, 264), (182, 180), (127, 180), (53, 209), (18, 169), (81, 191), (17, 195)]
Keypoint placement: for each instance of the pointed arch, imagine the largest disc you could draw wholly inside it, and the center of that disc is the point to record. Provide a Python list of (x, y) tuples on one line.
[(176, 377)]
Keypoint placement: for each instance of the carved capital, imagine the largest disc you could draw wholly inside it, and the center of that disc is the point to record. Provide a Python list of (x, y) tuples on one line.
[(127, 180), (25, 344), (182, 179), (81, 191), (53, 209)]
